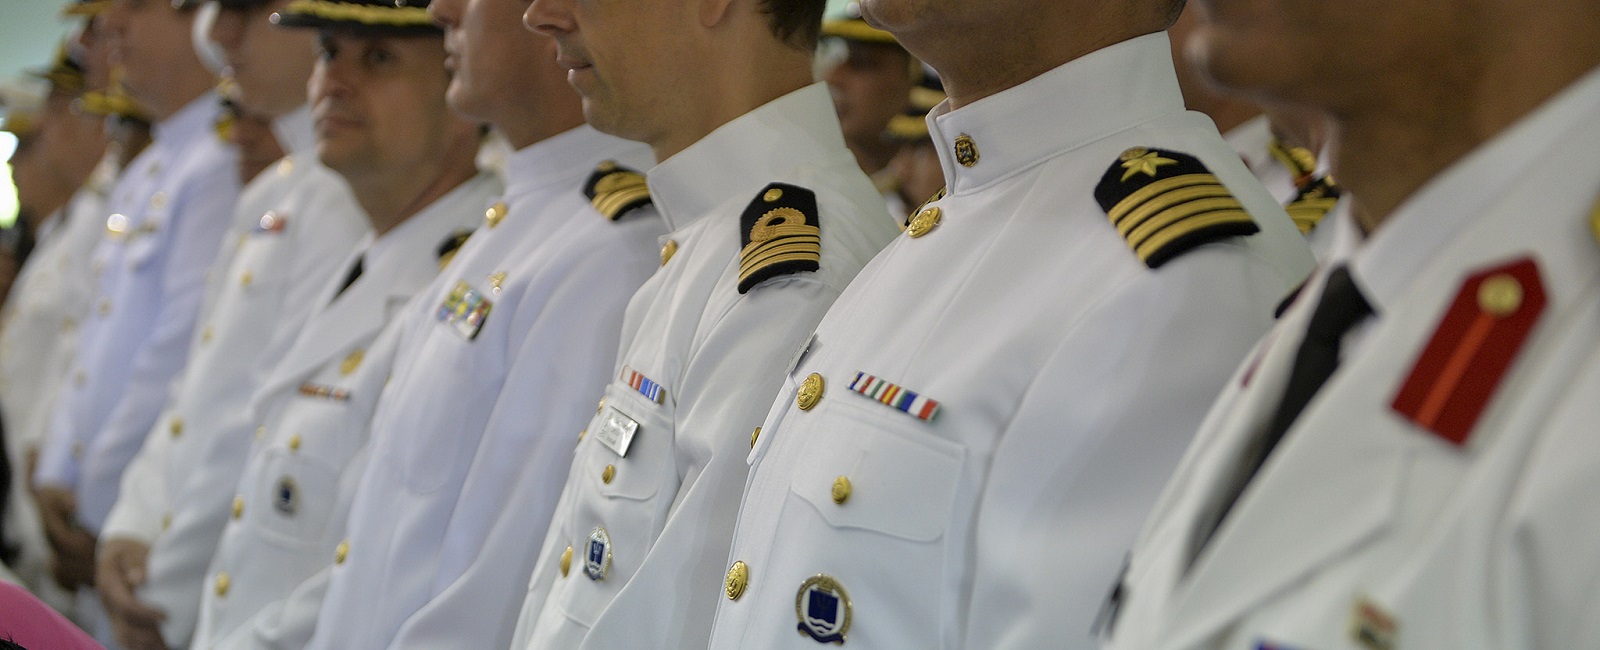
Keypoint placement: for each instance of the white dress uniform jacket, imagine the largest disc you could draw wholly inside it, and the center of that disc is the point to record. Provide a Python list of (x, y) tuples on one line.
[(1025, 384), (300, 222), (1366, 529), (51, 297), (288, 515), (471, 441), (698, 364), (171, 208)]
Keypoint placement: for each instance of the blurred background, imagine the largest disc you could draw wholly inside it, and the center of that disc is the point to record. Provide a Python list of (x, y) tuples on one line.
[(29, 32)]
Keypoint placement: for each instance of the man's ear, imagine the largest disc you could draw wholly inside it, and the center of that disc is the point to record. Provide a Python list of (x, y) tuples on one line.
[(713, 12)]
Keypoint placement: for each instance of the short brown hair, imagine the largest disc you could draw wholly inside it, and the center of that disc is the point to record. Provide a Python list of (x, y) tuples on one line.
[(796, 22)]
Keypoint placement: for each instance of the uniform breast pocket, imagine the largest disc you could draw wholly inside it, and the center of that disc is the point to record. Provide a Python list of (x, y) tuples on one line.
[(293, 497), (144, 244), (628, 466), (441, 434), (868, 472), (872, 497)]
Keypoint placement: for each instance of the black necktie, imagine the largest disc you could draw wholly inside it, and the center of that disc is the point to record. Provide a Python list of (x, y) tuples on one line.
[(350, 278), (1340, 308)]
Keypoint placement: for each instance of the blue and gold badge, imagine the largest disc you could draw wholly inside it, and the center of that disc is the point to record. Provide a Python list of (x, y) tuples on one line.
[(823, 608), (465, 310), (597, 555)]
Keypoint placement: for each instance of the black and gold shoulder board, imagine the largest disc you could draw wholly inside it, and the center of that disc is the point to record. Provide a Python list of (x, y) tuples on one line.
[(1312, 203), (1165, 202), (452, 243), (614, 190), (782, 235)]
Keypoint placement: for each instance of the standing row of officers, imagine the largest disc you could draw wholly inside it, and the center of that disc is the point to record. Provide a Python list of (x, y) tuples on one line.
[(690, 359)]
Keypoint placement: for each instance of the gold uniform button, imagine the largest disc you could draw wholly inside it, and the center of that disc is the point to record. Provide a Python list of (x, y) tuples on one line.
[(495, 214), (238, 506), (566, 561), (207, 334), (1500, 295), (352, 362), (668, 250), (610, 472), (841, 490), (245, 279), (772, 195), (754, 436), (341, 552), (261, 432), (738, 579), (166, 521), (223, 582), (294, 442), (924, 222), (176, 427), (285, 167), (810, 392)]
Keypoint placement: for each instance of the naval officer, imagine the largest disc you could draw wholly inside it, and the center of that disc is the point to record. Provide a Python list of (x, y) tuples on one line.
[(1408, 460), (378, 95), (770, 218), (497, 363), (295, 222), (169, 209), (983, 419)]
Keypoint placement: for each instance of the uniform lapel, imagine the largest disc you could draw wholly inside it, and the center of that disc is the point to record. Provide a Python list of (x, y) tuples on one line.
[(331, 334)]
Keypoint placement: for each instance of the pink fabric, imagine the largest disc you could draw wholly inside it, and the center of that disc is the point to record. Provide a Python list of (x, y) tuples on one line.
[(33, 625)]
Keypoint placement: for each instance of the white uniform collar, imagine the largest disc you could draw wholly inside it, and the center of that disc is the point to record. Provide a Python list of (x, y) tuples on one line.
[(1085, 99), (745, 154), (1386, 263), (196, 118), (554, 160), (1251, 140), (295, 133)]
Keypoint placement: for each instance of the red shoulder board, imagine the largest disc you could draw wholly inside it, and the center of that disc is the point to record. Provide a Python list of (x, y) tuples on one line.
[(1470, 351)]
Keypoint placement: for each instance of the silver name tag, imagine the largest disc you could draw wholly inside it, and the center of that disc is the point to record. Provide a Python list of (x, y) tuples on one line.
[(616, 431)]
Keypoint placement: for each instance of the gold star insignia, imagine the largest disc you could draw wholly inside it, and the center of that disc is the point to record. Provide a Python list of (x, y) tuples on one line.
[(1145, 163)]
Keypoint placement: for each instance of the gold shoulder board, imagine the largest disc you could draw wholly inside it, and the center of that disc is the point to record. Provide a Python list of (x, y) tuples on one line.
[(1165, 203)]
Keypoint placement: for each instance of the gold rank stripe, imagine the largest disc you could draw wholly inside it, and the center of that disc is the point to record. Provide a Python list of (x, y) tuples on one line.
[(1128, 213), (611, 203), (368, 14), (1187, 226), (770, 252), (744, 274), (1309, 212), (1175, 214)]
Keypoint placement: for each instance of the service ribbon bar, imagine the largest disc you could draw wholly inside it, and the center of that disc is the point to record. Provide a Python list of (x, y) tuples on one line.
[(650, 389), (884, 392)]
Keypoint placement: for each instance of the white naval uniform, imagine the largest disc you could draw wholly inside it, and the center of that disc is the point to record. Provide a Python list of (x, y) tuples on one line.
[(51, 296), (174, 200), (1069, 377), (288, 508), (1361, 519), (297, 222), (668, 504), (471, 439)]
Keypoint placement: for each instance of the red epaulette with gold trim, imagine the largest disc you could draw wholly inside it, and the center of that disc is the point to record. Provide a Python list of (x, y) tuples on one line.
[(1473, 346)]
